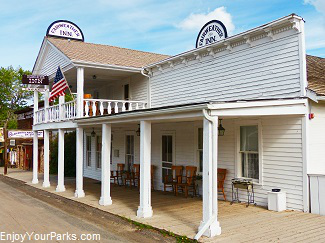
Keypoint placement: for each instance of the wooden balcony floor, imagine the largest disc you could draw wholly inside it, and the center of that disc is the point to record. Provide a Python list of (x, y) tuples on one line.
[(182, 215)]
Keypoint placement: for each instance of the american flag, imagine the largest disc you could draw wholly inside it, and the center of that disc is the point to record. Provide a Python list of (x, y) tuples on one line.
[(59, 86)]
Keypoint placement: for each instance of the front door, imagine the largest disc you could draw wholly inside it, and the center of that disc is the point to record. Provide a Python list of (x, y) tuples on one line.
[(167, 155), (129, 152)]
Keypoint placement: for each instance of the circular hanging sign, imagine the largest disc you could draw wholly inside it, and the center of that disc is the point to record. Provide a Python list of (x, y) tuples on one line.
[(211, 32), (65, 29)]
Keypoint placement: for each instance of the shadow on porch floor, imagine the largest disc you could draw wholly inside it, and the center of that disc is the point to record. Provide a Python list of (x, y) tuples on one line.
[(183, 215)]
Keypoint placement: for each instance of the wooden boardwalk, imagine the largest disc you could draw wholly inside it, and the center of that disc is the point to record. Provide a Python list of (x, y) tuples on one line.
[(183, 215)]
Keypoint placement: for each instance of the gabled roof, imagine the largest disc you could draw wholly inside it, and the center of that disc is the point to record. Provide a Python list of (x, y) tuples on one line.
[(104, 54), (316, 74)]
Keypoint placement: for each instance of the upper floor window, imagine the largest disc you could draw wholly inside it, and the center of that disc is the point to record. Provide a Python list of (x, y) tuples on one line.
[(249, 152)]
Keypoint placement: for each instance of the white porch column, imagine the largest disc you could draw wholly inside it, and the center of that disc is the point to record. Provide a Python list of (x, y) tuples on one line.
[(46, 182), (145, 209), (46, 102), (80, 91), (61, 107), (79, 162), (105, 198), (210, 178), (60, 187), (35, 158), (35, 105)]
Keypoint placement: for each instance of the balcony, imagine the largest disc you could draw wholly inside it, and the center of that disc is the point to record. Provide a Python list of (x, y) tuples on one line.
[(92, 107)]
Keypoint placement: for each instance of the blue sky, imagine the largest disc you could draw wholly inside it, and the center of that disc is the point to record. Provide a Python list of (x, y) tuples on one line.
[(165, 26)]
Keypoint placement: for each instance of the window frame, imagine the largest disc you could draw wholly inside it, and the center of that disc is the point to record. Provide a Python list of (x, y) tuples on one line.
[(238, 172), (88, 159), (196, 148), (98, 152), (167, 133)]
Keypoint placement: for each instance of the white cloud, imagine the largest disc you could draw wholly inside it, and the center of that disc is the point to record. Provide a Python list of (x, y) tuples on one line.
[(318, 4), (196, 21)]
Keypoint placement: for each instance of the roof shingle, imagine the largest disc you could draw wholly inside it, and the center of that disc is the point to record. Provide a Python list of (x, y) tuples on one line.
[(105, 54), (316, 74)]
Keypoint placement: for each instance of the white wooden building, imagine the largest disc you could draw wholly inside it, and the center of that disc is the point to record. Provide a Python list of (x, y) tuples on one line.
[(255, 81)]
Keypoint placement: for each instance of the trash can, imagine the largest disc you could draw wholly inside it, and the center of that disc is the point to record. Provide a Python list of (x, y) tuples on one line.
[(277, 200)]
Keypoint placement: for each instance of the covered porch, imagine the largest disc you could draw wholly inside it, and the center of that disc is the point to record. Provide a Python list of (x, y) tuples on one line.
[(277, 130), (182, 215)]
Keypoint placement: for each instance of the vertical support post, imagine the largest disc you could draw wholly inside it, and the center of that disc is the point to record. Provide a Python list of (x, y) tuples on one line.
[(46, 182), (35, 158), (210, 177), (79, 162), (35, 105), (145, 209), (46, 103), (60, 187), (80, 91), (5, 154), (105, 198), (61, 107)]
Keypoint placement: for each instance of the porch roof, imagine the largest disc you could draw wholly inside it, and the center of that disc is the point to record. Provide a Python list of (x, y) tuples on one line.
[(292, 106), (104, 54)]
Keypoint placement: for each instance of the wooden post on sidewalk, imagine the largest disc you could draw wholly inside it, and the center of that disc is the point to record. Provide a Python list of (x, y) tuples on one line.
[(5, 134)]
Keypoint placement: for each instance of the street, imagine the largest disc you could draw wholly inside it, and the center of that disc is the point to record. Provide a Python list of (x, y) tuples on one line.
[(22, 215)]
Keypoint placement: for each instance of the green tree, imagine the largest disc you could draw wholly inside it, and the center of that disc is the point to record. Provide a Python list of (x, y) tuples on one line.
[(12, 96)]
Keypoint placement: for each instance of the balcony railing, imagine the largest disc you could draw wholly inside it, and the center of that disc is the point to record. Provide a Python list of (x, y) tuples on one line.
[(95, 107), (92, 107)]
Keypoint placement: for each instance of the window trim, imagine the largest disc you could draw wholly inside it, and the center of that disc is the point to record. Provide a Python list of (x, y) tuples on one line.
[(257, 123), (196, 147), (130, 133), (168, 133), (96, 152), (87, 134)]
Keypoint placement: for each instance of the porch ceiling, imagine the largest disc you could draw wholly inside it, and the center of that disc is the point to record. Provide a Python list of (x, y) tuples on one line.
[(103, 77)]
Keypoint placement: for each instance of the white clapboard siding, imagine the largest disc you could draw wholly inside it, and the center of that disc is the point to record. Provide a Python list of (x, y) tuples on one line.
[(52, 59), (282, 162), (139, 87), (269, 70), (316, 163)]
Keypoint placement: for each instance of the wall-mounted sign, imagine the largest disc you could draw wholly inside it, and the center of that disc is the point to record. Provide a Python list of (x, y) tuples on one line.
[(65, 29), (35, 79), (26, 115), (23, 134), (210, 33)]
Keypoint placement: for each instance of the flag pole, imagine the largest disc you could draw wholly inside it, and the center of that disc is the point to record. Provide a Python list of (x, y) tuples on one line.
[(68, 84)]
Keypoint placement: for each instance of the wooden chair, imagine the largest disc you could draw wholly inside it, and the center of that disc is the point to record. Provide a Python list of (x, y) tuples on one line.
[(189, 181), (221, 180), (117, 174), (136, 175), (174, 178)]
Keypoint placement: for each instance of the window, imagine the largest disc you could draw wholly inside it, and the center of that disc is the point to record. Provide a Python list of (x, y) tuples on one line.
[(167, 155), (88, 151), (199, 151), (129, 155), (249, 155), (98, 152)]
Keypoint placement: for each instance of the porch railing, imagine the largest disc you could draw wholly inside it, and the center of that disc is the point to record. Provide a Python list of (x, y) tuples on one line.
[(92, 107), (95, 107)]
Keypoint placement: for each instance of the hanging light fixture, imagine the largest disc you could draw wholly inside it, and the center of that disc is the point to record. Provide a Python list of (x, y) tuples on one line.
[(93, 134), (221, 130), (138, 131)]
